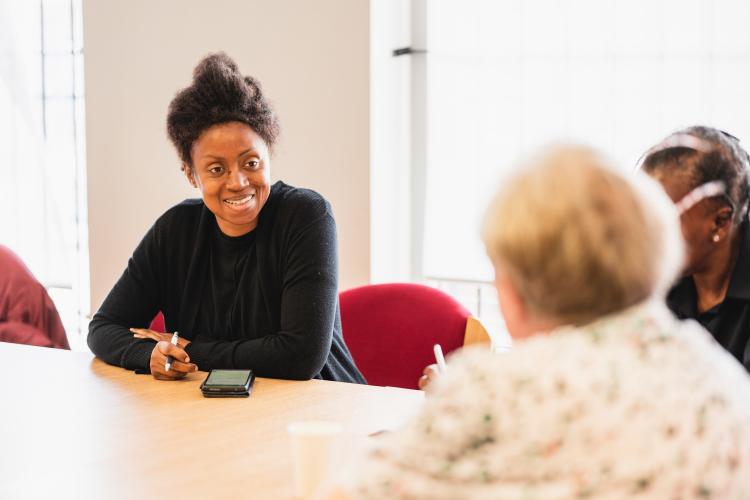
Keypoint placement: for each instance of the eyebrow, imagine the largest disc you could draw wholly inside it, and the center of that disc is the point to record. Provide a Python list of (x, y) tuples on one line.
[(238, 156)]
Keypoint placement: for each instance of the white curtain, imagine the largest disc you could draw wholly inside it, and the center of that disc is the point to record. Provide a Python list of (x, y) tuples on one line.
[(505, 77), (29, 222)]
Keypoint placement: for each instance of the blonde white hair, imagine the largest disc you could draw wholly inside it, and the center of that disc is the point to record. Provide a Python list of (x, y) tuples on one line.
[(580, 240)]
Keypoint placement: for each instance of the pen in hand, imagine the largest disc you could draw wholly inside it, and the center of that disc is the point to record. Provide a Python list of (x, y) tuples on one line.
[(442, 368), (168, 364)]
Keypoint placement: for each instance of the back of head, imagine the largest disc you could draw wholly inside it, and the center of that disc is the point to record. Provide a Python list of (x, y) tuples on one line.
[(722, 159), (580, 241)]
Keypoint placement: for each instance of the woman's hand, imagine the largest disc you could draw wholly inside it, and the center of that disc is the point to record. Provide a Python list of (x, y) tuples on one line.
[(180, 366), (431, 373), (145, 333)]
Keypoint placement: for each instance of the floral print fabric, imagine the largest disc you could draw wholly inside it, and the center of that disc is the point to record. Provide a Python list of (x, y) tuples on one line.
[(634, 405)]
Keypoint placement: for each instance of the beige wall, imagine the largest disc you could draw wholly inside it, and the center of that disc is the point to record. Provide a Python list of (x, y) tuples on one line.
[(312, 58)]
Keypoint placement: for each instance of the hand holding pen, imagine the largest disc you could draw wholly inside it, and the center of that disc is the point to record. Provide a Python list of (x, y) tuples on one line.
[(169, 361), (433, 371), (442, 367)]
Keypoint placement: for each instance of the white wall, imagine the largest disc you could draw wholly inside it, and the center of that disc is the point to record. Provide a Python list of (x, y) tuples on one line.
[(313, 60)]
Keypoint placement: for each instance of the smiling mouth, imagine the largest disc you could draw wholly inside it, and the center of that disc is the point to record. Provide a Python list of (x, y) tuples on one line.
[(240, 201)]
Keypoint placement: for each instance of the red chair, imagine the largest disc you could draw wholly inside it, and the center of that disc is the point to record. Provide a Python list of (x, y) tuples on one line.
[(157, 324), (27, 313), (390, 330)]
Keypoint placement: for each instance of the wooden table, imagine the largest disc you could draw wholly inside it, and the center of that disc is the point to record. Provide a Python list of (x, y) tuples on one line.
[(72, 426)]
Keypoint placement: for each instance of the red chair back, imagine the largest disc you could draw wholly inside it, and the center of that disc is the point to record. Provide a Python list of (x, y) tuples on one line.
[(390, 330), (157, 324)]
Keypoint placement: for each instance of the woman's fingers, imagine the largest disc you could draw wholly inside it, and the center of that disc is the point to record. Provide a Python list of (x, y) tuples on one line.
[(431, 370), (177, 352), (431, 373), (180, 360), (180, 366), (145, 333), (185, 368)]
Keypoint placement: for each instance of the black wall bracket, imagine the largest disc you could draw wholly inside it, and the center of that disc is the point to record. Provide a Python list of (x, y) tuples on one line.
[(407, 50)]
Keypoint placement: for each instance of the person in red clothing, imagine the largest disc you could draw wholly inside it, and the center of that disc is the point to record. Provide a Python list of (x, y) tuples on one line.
[(27, 314)]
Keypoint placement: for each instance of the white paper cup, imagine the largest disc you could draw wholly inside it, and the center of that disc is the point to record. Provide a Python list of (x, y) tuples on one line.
[(312, 453)]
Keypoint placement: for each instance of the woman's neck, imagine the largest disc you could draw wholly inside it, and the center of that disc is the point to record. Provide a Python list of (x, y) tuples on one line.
[(711, 285)]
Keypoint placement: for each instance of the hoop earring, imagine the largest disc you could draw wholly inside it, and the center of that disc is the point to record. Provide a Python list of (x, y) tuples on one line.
[(716, 238)]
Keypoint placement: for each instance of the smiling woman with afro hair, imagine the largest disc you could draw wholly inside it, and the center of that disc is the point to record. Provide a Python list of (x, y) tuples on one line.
[(248, 272)]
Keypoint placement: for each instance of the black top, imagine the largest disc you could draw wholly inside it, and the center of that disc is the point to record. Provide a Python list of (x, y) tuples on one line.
[(220, 310), (729, 321), (266, 301)]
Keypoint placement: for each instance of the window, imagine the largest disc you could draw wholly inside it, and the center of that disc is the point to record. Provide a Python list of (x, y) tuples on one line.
[(504, 78), (42, 143), (501, 78)]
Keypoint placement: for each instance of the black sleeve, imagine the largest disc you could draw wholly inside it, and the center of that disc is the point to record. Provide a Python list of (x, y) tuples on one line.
[(308, 309), (132, 303)]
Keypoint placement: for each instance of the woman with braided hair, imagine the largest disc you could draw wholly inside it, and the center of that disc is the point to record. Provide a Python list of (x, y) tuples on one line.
[(707, 174), (248, 273)]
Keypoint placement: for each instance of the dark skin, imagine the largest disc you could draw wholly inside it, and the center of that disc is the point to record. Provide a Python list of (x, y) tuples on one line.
[(232, 169), (181, 364), (712, 239)]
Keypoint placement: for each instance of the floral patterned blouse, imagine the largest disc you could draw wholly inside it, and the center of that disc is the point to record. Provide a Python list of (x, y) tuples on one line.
[(634, 405)]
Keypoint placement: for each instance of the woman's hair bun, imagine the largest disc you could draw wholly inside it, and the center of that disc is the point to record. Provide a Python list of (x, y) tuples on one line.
[(219, 93), (218, 61)]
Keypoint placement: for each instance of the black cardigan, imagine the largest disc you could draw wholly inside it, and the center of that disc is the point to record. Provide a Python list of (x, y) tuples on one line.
[(298, 270)]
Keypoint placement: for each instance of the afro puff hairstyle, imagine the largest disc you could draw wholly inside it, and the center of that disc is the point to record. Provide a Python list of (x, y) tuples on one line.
[(219, 94)]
